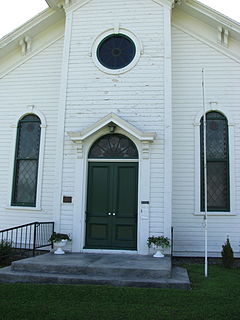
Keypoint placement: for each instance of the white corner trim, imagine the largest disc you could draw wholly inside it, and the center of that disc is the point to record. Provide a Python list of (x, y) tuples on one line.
[(111, 117), (232, 178), (167, 122), (30, 109), (61, 120)]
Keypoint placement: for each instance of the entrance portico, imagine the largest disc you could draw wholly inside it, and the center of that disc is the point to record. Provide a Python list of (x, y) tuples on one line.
[(141, 179)]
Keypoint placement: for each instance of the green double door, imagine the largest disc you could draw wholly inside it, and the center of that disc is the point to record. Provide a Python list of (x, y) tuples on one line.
[(111, 215)]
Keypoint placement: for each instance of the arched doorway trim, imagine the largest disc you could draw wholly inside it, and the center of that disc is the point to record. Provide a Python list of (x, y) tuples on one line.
[(83, 141)]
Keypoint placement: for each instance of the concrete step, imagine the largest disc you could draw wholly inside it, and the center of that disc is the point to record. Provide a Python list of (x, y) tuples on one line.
[(103, 269), (179, 279), (108, 265)]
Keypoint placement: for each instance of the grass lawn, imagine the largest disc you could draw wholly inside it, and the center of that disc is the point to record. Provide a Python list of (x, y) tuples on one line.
[(217, 297)]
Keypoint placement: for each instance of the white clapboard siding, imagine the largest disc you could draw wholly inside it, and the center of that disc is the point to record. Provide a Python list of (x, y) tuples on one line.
[(222, 86), (35, 82), (137, 95)]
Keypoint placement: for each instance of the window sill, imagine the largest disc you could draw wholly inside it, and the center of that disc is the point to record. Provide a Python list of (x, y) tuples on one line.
[(213, 213), (23, 208)]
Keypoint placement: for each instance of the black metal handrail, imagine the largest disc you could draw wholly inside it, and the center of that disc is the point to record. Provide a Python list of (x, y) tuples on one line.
[(29, 236)]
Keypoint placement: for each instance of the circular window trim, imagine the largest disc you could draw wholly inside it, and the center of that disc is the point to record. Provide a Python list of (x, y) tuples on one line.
[(108, 33)]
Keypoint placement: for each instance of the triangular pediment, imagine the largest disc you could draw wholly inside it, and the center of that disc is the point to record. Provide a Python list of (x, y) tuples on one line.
[(55, 3), (79, 136)]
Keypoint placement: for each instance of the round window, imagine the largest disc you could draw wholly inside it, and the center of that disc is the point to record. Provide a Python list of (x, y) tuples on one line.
[(116, 51)]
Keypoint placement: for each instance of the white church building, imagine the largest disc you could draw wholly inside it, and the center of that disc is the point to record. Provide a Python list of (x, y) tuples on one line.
[(101, 124)]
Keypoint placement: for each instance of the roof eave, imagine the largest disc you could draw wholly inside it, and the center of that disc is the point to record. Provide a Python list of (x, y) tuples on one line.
[(51, 3), (32, 27), (213, 14)]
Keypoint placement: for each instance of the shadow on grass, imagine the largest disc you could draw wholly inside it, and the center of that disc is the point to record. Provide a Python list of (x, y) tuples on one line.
[(217, 297)]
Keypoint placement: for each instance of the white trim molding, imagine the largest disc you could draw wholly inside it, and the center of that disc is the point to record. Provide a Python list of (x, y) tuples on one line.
[(231, 138), (30, 109), (79, 136), (167, 122), (116, 29), (83, 142), (61, 120), (167, 3)]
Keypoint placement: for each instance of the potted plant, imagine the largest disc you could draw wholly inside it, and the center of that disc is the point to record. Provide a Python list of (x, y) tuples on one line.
[(159, 244), (59, 240)]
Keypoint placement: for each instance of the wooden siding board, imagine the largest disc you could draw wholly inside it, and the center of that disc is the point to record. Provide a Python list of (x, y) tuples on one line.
[(92, 94), (222, 85), (37, 82)]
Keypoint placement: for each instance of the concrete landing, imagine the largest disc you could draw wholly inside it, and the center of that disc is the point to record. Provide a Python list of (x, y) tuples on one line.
[(88, 268)]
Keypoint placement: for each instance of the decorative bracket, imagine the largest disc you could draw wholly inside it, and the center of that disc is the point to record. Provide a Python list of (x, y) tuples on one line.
[(178, 2), (26, 45), (145, 149), (223, 36), (80, 150), (64, 4)]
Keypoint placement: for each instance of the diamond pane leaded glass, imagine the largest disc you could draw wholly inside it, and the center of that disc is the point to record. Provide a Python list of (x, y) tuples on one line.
[(113, 146), (28, 140), (26, 161), (26, 176), (217, 162)]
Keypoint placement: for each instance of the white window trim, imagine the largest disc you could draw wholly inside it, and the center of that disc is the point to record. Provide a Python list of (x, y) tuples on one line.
[(232, 182), (29, 110), (116, 30)]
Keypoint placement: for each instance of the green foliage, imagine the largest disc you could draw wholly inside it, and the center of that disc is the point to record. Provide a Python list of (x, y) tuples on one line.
[(56, 237), (160, 241), (5, 248), (227, 254), (214, 298)]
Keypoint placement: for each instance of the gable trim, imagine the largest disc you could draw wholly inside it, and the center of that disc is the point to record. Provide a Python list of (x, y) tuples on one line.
[(26, 27), (111, 117), (207, 42), (28, 57), (213, 14), (169, 3), (75, 6)]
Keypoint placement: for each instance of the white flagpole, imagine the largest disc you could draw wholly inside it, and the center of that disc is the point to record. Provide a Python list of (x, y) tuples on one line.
[(205, 173)]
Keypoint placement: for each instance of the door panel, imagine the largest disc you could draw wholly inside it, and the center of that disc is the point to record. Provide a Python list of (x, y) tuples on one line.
[(112, 188), (99, 187), (125, 189), (125, 205), (98, 224)]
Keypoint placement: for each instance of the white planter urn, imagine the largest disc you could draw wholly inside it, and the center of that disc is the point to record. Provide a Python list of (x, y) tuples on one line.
[(158, 252), (59, 245)]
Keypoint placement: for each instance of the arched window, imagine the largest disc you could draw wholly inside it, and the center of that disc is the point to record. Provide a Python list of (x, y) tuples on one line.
[(26, 161), (113, 146), (217, 162)]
